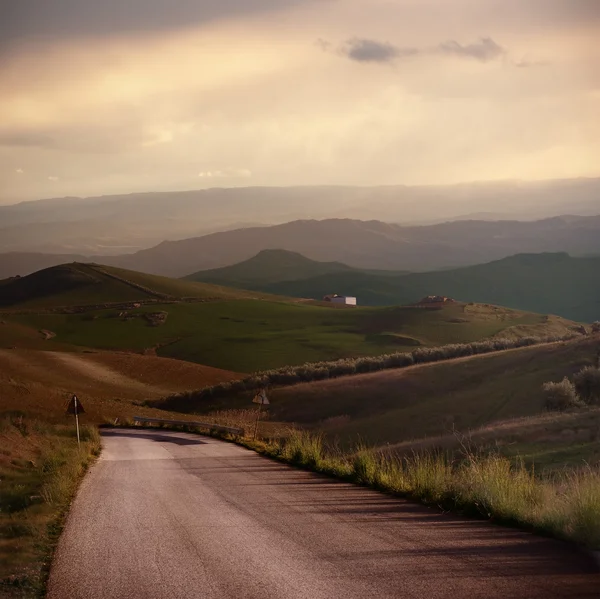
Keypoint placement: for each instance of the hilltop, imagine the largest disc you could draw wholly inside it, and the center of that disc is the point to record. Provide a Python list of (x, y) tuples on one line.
[(552, 283), (269, 267)]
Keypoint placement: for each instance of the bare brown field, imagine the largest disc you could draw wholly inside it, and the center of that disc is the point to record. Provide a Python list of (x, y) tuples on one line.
[(109, 385)]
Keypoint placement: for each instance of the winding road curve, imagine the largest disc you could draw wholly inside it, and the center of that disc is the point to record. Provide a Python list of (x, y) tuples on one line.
[(171, 516)]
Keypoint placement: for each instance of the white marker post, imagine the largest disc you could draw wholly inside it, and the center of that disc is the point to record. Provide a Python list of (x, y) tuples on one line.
[(261, 399), (76, 408), (77, 421)]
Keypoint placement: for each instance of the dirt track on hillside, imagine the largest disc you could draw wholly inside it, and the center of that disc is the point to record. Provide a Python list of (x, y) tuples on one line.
[(43, 380)]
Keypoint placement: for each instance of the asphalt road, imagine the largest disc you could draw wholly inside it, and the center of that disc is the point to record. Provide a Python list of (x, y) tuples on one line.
[(170, 515)]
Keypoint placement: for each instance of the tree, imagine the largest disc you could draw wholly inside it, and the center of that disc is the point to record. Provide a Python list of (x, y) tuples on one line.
[(587, 385), (560, 396)]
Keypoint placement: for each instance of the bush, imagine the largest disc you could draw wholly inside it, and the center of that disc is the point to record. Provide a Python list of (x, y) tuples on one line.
[(560, 396), (587, 385)]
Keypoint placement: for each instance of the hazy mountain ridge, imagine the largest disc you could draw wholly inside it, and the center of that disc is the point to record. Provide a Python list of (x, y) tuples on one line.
[(366, 245), (373, 244), (107, 224)]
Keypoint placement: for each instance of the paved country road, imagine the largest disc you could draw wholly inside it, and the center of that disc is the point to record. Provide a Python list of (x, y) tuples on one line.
[(171, 515)]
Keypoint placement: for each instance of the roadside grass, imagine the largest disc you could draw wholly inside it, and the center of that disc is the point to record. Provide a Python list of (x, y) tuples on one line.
[(565, 505), (250, 335), (40, 469), (475, 483)]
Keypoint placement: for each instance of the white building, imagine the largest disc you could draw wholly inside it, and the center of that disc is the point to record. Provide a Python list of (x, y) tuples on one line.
[(340, 299)]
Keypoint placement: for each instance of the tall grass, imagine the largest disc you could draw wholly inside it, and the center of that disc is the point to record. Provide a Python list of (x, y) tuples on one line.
[(37, 482), (566, 505), (316, 371)]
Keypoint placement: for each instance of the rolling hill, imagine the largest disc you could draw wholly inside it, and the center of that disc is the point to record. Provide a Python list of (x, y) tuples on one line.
[(551, 283), (360, 244), (92, 306), (492, 401), (80, 284)]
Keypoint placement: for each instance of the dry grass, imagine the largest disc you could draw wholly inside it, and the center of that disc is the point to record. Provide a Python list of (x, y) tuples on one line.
[(40, 464), (565, 505), (40, 467)]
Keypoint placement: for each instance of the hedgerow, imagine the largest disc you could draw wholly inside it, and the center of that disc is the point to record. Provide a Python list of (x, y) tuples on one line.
[(316, 371)]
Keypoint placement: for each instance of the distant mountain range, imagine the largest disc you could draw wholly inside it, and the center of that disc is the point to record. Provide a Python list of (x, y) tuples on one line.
[(549, 283), (119, 224), (365, 245)]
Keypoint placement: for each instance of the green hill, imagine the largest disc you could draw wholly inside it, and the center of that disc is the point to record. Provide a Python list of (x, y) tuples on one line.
[(546, 283), (94, 306), (79, 284), (267, 267)]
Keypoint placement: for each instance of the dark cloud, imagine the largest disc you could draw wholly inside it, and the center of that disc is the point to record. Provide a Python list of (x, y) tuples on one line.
[(34, 20), (485, 49), (366, 50)]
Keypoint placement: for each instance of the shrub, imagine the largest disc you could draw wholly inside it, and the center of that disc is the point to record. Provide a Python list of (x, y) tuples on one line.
[(587, 385), (560, 396)]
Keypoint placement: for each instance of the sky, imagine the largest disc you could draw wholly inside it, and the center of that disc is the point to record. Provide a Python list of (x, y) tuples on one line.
[(146, 95)]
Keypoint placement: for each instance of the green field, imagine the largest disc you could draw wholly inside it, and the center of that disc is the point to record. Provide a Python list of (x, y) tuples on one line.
[(249, 335)]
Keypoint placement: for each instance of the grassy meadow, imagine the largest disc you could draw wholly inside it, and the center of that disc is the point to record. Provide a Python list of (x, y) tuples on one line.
[(251, 335)]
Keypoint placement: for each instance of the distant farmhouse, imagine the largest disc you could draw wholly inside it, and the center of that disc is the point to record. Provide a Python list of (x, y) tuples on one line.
[(435, 300), (340, 299)]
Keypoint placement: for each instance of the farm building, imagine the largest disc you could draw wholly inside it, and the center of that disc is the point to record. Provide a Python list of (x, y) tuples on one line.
[(435, 299), (340, 299)]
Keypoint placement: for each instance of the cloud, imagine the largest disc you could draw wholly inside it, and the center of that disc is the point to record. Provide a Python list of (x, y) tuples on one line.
[(367, 50), (53, 178), (485, 49), (226, 173), (19, 171), (59, 19)]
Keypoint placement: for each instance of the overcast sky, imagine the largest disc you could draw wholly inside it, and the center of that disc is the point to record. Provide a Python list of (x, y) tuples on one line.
[(112, 96)]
